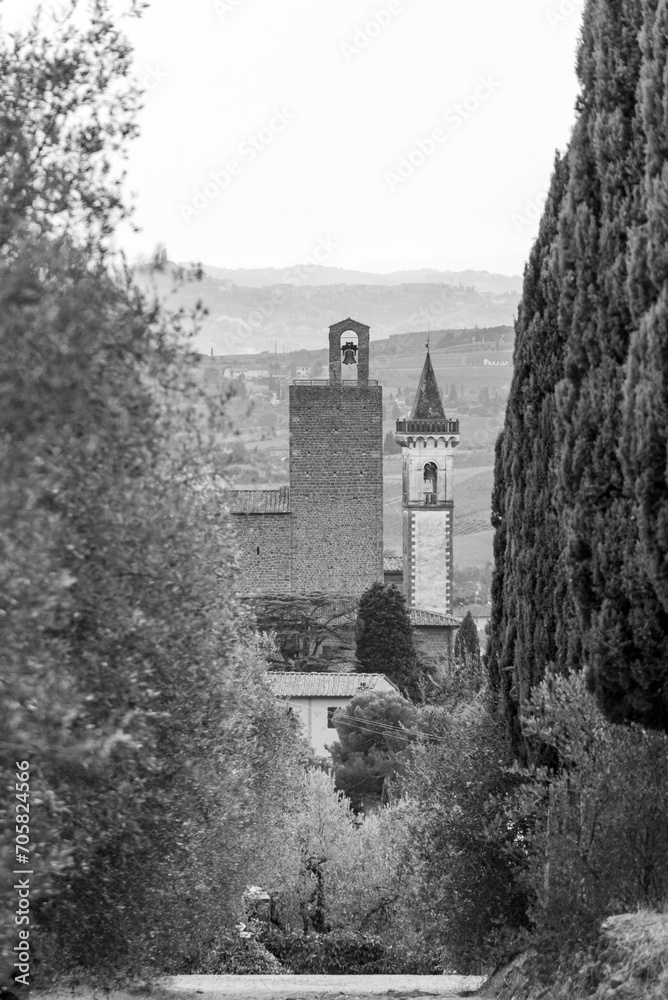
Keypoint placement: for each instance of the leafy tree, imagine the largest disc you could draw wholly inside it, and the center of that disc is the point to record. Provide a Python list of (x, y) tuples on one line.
[(597, 828), (374, 732), (385, 638), (120, 683), (469, 897), (305, 627)]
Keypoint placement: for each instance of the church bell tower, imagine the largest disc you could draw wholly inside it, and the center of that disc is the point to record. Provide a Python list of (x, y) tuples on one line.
[(428, 439), (336, 471)]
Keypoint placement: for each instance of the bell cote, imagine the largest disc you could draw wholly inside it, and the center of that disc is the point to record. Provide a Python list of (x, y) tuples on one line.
[(349, 353)]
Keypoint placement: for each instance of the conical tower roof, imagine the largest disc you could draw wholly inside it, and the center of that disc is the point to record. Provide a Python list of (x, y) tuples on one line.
[(428, 404)]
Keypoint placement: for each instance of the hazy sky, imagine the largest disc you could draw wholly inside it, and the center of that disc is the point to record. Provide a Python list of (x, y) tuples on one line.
[(390, 134)]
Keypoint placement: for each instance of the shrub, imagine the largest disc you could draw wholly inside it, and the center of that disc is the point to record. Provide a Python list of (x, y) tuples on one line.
[(227, 954), (464, 866), (345, 952), (598, 826), (338, 953)]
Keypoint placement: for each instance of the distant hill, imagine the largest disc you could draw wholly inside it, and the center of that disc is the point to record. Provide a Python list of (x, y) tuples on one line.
[(262, 277), (252, 318)]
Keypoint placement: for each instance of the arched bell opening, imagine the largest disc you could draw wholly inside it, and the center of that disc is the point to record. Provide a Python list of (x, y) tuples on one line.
[(430, 478), (349, 347)]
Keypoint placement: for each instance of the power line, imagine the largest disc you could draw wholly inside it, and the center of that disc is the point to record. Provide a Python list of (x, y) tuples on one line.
[(361, 724)]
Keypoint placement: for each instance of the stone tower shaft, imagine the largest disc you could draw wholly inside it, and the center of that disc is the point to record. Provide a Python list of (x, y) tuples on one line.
[(336, 471), (428, 439)]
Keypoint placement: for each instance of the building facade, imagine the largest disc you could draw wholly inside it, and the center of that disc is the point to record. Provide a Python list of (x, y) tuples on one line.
[(315, 697)]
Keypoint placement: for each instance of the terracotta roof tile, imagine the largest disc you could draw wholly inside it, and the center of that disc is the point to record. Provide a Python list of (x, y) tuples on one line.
[(275, 501), (323, 685), (420, 617)]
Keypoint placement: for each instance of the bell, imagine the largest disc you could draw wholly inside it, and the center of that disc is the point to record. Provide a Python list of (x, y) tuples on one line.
[(349, 351)]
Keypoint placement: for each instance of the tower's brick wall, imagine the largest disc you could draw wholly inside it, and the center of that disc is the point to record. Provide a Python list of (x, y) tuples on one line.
[(336, 479), (263, 541)]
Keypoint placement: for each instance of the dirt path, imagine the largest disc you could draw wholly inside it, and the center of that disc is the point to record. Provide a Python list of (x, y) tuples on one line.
[(316, 987)]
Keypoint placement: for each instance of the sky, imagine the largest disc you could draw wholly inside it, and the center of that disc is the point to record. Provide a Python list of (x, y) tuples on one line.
[(383, 135)]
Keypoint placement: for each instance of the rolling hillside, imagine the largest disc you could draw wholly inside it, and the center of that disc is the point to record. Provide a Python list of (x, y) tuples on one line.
[(247, 319)]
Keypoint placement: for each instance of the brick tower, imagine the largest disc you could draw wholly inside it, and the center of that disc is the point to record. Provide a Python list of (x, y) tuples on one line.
[(428, 439), (336, 471)]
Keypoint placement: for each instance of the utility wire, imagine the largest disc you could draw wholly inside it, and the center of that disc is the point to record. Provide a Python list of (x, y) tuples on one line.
[(386, 730)]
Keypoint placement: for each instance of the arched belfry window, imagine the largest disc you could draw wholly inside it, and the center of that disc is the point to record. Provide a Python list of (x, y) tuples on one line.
[(349, 351), (430, 488)]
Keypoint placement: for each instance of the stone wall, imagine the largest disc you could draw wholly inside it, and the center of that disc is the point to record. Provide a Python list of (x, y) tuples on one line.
[(428, 538), (336, 479), (434, 641), (264, 552)]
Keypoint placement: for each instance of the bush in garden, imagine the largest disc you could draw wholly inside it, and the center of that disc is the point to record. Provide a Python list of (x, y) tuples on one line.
[(228, 954), (461, 868), (344, 952), (598, 830), (374, 733), (337, 953)]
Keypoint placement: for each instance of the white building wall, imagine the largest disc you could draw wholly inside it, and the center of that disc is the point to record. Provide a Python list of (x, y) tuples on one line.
[(313, 715)]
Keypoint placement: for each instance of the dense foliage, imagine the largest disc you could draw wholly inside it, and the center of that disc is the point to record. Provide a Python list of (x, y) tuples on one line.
[(580, 497), (374, 732), (310, 631), (597, 829), (472, 906), (129, 681), (385, 639)]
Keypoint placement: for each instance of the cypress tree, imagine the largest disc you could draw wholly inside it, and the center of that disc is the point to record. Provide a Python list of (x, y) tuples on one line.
[(531, 628), (623, 626), (646, 385), (384, 637), (580, 502)]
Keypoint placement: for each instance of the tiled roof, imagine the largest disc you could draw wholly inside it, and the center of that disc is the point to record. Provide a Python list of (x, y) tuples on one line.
[(258, 501), (420, 617), (477, 610), (393, 564), (322, 685)]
